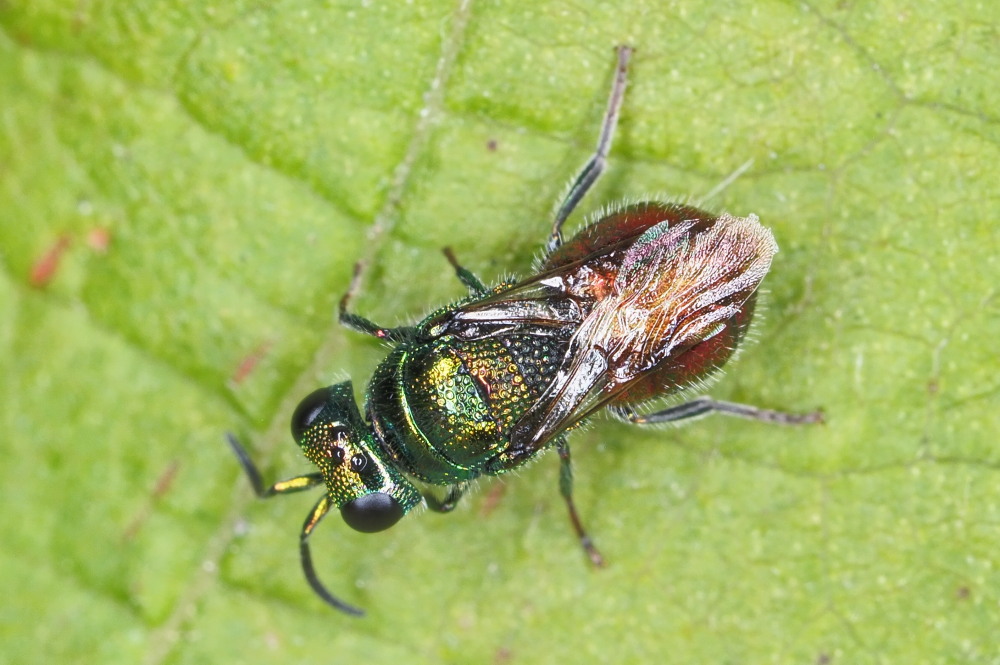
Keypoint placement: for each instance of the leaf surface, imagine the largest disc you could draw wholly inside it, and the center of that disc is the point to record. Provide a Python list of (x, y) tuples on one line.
[(205, 176)]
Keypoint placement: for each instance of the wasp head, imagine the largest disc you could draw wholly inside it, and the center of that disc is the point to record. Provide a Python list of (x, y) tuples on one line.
[(370, 492)]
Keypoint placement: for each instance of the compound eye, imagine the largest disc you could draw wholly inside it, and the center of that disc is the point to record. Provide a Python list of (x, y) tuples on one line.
[(372, 512), (308, 410)]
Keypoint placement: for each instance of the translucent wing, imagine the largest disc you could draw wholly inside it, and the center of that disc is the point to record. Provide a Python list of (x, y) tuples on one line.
[(676, 286), (572, 279), (540, 305)]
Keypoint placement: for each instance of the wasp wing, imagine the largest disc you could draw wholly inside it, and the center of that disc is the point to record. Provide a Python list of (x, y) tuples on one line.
[(677, 285), (540, 305)]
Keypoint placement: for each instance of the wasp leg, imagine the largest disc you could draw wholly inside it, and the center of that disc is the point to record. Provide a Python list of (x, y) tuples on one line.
[(471, 282), (592, 170), (296, 484), (363, 325), (705, 405), (448, 503), (566, 489)]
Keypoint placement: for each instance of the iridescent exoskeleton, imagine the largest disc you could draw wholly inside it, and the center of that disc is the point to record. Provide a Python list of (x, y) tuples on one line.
[(647, 301)]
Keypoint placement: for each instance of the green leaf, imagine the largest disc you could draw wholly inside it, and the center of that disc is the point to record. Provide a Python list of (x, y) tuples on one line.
[(239, 157)]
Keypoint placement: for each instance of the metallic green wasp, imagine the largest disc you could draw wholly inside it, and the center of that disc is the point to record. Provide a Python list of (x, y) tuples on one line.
[(646, 301)]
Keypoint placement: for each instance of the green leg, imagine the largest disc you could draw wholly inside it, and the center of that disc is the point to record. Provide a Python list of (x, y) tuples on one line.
[(592, 170), (360, 323), (471, 282), (566, 489), (704, 405), (322, 507)]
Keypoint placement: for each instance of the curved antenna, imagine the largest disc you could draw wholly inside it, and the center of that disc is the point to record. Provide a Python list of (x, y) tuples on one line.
[(322, 507), (315, 515)]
